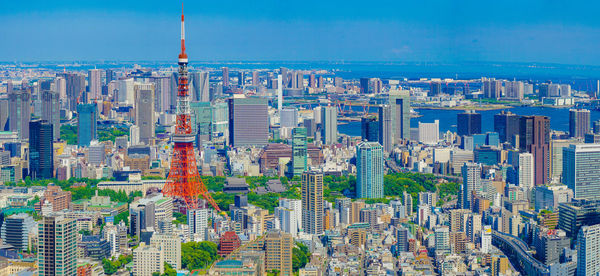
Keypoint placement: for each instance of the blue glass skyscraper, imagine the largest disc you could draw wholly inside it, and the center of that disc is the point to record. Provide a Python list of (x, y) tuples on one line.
[(369, 170), (41, 152), (87, 118)]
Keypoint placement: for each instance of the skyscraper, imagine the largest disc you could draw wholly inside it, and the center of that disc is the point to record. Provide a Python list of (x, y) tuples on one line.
[(278, 252), (241, 78), (435, 88), (364, 85), (408, 203), (581, 170), (596, 127), (588, 253), (57, 246), (255, 79), (534, 137), (492, 88), (3, 114), (468, 123), (369, 128), (471, 173), (579, 122), (248, 122), (429, 133), (201, 86), (442, 240), (16, 230), (312, 202), (288, 117), (225, 76), (171, 246), (299, 162), (41, 151), (144, 111), (75, 86), (400, 103), (86, 124), (198, 223), (95, 84), (329, 125), (51, 111), (526, 172), (386, 138), (19, 112), (370, 168), (506, 124)]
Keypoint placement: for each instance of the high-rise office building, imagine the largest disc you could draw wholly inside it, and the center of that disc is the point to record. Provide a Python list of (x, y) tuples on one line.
[(19, 112), (225, 76), (486, 239), (551, 245), (171, 248), (579, 122), (57, 246), (492, 88), (278, 252), (442, 240), (329, 125), (3, 114), (41, 151), (596, 127), (526, 172), (95, 84), (75, 88), (241, 78), (435, 88), (312, 202), (228, 242), (588, 251), (144, 111), (581, 170), (364, 85), (514, 90), (16, 230), (400, 104), (385, 132), (201, 86), (534, 137), (299, 162), (248, 122), (201, 120), (369, 128), (429, 133), (51, 111), (134, 135), (148, 259), (255, 79), (506, 124), (198, 223), (87, 118), (369, 170), (408, 203), (471, 174), (288, 117), (576, 213), (468, 123)]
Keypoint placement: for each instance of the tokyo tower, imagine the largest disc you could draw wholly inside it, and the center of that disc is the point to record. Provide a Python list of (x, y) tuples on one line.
[(184, 180)]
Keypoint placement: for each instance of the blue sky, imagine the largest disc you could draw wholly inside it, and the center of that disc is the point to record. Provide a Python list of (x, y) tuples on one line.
[(550, 31)]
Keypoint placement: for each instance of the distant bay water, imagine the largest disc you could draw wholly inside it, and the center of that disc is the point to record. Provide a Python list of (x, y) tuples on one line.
[(559, 118)]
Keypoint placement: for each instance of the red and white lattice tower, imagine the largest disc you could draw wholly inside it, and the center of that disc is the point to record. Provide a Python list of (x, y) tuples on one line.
[(184, 180)]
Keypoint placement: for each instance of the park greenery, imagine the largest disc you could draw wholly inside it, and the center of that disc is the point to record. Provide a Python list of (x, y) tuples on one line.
[(68, 133), (111, 266), (198, 255), (300, 256)]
